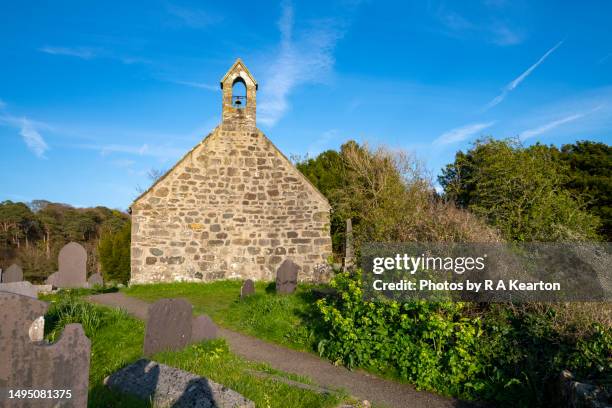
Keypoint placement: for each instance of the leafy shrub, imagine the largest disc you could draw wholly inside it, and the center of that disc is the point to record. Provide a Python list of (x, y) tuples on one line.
[(498, 353)]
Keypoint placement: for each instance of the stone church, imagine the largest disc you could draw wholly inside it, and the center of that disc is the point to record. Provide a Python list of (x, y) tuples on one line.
[(233, 207)]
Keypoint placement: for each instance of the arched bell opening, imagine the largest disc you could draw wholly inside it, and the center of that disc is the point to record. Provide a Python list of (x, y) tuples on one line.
[(239, 93)]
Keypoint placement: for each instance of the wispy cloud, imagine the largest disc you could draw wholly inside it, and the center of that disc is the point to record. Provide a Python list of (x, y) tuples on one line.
[(89, 53), (162, 152), (605, 58), (303, 57), (322, 142), (491, 30), (527, 134), (461, 133), (192, 17), (28, 130), (200, 85), (517, 81), (79, 52), (33, 139)]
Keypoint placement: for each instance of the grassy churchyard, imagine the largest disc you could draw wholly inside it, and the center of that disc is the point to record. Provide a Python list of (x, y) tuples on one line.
[(117, 340)]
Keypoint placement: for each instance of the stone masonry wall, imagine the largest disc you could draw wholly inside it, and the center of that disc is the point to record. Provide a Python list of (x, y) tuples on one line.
[(234, 207)]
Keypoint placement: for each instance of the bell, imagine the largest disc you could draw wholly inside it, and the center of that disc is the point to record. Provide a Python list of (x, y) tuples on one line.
[(238, 102)]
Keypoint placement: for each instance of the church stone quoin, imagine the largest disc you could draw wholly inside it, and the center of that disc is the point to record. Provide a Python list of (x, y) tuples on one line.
[(233, 207)]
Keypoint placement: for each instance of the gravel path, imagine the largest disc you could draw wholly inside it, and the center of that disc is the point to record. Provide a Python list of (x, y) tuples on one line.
[(358, 383)]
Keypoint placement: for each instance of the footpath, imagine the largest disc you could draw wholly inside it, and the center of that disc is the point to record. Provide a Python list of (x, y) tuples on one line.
[(358, 383)]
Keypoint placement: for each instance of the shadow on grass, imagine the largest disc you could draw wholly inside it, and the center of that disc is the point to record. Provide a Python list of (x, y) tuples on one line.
[(101, 396)]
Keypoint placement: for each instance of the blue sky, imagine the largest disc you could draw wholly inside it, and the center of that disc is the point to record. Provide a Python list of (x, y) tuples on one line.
[(95, 94)]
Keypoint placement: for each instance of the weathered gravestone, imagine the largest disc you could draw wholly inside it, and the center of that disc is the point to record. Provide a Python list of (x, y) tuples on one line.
[(171, 326), (203, 328), (13, 273), (167, 386), (95, 280), (286, 277), (349, 250), (35, 365), (247, 289), (72, 272), (24, 288), (168, 326)]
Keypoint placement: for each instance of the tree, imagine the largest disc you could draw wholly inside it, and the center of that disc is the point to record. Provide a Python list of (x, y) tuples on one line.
[(388, 196), (114, 253), (520, 190), (589, 167)]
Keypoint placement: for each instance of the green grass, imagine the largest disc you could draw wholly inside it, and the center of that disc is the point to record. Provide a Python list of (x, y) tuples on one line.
[(284, 319), (117, 339)]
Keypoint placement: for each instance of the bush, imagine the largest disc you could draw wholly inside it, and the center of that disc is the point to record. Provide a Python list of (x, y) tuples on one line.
[(114, 252), (501, 353)]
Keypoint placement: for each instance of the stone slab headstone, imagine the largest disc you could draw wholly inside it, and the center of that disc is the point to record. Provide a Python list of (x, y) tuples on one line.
[(167, 386), (24, 288), (35, 365), (203, 328), (247, 289), (168, 326), (95, 280), (286, 277), (349, 250), (13, 273), (72, 261), (72, 272)]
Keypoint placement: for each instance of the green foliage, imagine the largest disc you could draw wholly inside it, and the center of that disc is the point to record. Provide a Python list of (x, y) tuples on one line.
[(500, 354), (33, 234), (114, 253), (388, 196), (520, 190), (69, 309), (589, 174)]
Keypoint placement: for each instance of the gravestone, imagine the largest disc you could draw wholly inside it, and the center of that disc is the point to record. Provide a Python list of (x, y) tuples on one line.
[(168, 326), (52, 279), (23, 288), (35, 365), (13, 273), (286, 277), (349, 250), (247, 289), (95, 280), (72, 272), (202, 328), (166, 386)]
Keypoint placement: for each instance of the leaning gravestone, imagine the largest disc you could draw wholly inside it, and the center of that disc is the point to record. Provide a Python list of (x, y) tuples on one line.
[(168, 326), (72, 272), (286, 277), (247, 289), (166, 386), (95, 280), (202, 328), (14, 273), (33, 365)]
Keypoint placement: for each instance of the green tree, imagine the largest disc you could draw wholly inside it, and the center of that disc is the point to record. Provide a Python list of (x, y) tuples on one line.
[(520, 190), (388, 196), (589, 167), (114, 254)]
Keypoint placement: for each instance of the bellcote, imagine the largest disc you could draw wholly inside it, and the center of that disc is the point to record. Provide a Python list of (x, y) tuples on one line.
[(239, 97)]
